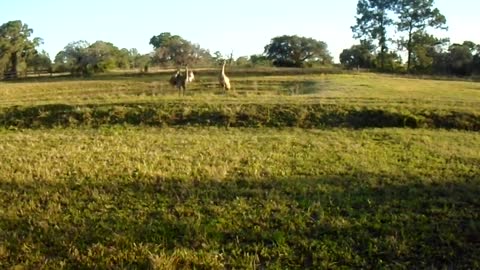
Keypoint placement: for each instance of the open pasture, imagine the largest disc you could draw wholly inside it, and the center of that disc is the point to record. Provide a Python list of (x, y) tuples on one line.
[(122, 172), (351, 88), (295, 100)]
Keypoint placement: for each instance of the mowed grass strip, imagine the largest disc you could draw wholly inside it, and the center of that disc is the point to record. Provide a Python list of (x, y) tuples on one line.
[(215, 198)]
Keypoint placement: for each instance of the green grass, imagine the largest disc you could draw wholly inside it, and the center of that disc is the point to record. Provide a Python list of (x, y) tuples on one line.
[(307, 101), (239, 198), (293, 170), (358, 89)]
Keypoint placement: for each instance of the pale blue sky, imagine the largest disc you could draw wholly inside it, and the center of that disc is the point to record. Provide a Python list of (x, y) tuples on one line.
[(242, 27)]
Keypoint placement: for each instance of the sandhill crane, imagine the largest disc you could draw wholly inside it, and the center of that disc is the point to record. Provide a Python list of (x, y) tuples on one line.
[(223, 79), (180, 80), (173, 78), (190, 76)]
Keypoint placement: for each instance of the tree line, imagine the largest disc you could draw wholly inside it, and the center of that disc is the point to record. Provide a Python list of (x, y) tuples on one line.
[(378, 49), (18, 54), (411, 20)]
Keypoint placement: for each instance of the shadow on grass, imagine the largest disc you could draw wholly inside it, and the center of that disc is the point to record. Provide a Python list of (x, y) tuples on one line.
[(361, 221), (232, 115)]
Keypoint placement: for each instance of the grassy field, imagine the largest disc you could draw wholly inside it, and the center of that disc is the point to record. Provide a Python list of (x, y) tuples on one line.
[(87, 181), (302, 100), (357, 89)]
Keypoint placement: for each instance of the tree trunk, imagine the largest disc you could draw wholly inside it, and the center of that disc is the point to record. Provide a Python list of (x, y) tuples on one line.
[(13, 73), (382, 57), (383, 46), (409, 48)]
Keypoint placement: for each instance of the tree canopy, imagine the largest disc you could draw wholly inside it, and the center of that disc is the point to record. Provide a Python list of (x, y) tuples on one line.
[(414, 16), (15, 46), (372, 22), (39, 62), (173, 49), (358, 56), (386, 30), (82, 58), (403, 24), (423, 50), (295, 51), (461, 58)]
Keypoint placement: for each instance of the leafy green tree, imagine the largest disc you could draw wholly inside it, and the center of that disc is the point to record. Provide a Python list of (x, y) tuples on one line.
[(137, 60), (259, 60), (74, 58), (163, 39), (295, 51), (122, 59), (415, 16), (440, 64), (358, 56), (392, 62), (218, 58), (372, 22), (242, 61), (102, 56), (460, 59), (173, 49), (82, 58), (470, 45), (15, 46), (217, 55), (476, 61), (424, 48), (40, 62), (143, 61), (60, 63), (132, 54)]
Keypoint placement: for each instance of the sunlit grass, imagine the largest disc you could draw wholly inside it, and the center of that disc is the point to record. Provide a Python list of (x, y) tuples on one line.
[(215, 198), (119, 171), (362, 89), (198, 153)]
